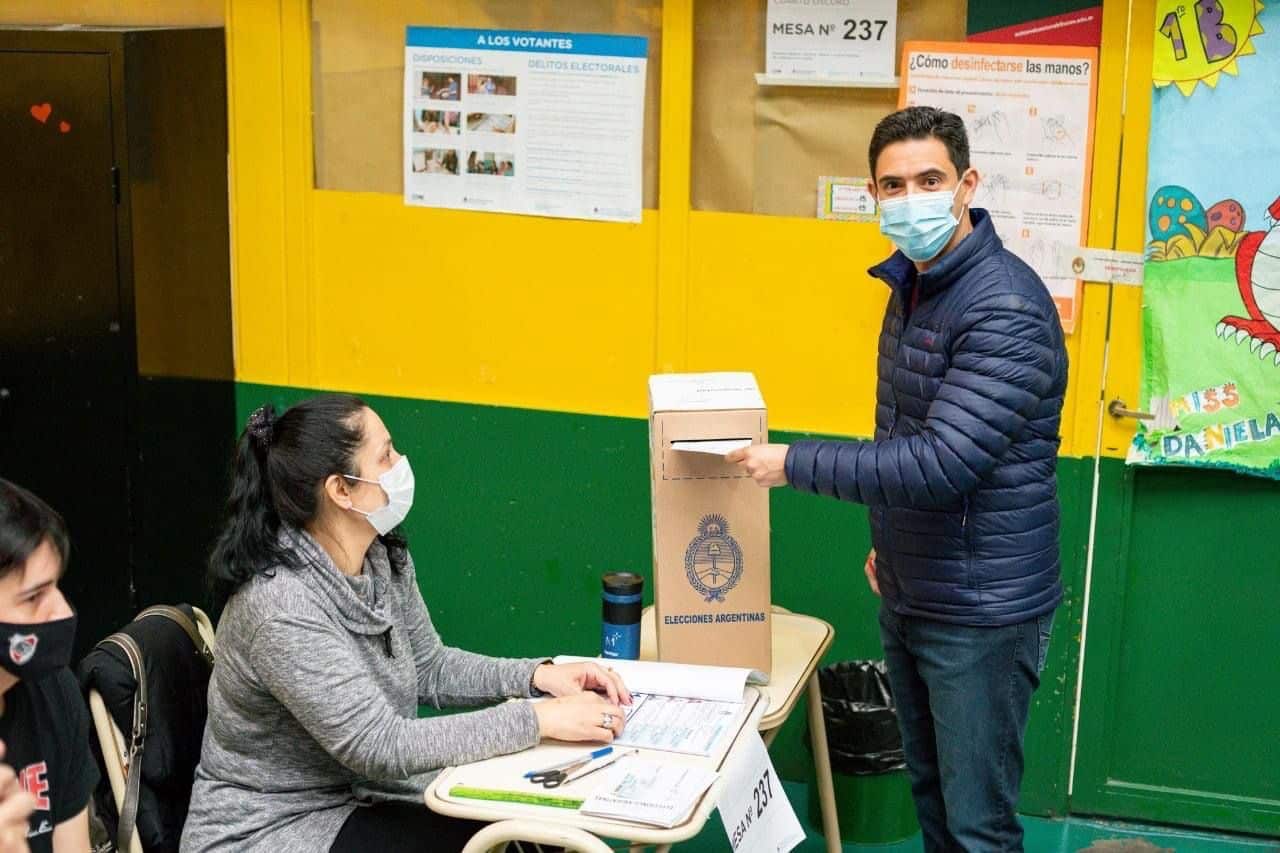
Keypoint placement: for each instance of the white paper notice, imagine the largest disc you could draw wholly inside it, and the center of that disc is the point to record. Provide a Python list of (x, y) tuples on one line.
[(650, 792), (549, 124), (754, 809), (845, 199), (831, 41), (1029, 113), (713, 446), (702, 392), (1108, 265), (851, 199)]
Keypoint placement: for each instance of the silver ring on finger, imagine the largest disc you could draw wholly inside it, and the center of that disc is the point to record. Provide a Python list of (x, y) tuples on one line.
[(606, 721)]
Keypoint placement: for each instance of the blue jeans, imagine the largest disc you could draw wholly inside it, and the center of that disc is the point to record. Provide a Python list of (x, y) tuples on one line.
[(963, 694)]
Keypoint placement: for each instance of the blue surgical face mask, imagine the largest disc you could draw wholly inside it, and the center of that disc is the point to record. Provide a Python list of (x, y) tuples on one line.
[(919, 224)]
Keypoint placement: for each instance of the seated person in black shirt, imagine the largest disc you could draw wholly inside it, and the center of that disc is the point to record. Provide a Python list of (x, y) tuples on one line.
[(43, 719), (15, 808)]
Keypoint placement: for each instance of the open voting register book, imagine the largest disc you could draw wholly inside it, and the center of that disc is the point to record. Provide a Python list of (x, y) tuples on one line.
[(679, 707), (679, 729)]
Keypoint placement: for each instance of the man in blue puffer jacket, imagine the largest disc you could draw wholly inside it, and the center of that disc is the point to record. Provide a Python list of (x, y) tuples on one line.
[(959, 480)]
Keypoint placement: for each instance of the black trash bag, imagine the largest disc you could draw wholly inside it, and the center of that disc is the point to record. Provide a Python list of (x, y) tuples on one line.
[(862, 721)]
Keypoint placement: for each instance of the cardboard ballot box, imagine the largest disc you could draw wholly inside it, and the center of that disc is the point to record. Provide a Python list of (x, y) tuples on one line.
[(710, 521)]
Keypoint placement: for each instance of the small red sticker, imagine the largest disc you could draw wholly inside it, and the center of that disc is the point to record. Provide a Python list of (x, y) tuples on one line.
[(41, 112), (64, 126)]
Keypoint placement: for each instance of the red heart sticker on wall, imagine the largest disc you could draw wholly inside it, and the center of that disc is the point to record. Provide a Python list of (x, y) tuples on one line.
[(41, 112), (64, 126)]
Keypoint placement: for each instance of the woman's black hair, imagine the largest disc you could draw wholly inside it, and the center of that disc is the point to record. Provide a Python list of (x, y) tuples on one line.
[(277, 478), (25, 522)]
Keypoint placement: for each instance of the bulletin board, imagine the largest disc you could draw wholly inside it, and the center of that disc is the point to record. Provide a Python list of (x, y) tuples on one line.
[(358, 74), (761, 149)]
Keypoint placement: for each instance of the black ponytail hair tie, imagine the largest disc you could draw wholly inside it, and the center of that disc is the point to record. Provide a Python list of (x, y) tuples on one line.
[(261, 425)]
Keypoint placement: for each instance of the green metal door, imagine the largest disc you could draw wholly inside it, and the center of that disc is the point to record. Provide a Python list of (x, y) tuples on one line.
[(1179, 714)]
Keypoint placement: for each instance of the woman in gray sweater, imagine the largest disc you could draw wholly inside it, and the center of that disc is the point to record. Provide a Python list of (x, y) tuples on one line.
[(326, 649)]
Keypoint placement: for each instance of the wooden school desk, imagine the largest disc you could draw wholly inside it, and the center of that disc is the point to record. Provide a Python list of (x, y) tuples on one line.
[(515, 821), (799, 642)]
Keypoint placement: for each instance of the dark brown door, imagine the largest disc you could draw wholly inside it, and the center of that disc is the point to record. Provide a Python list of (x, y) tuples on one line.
[(65, 357)]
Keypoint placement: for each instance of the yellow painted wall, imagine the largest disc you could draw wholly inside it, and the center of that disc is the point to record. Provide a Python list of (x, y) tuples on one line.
[(1124, 355), (452, 305), (356, 291), (347, 290), (122, 13)]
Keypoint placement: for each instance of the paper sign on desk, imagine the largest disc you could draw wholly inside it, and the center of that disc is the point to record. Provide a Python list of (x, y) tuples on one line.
[(650, 792), (755, 811)]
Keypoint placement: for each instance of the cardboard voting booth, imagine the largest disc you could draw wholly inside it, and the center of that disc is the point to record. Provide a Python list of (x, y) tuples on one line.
[(710, 521)]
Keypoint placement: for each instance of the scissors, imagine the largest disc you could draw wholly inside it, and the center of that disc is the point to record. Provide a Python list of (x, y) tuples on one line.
[(554, 778)]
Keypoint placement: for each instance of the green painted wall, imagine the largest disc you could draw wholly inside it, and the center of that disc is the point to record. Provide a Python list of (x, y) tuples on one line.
[(518, 512)]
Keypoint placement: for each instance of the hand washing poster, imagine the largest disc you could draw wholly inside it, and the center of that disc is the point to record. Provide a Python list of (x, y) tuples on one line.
[(1029, 111), (548, 124), (1211, 298)]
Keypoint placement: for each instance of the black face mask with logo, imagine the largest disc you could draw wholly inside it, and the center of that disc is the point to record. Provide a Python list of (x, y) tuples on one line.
[(30, 651)]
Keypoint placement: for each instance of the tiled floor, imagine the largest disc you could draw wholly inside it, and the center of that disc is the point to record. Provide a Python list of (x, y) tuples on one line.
[(1042, 836)]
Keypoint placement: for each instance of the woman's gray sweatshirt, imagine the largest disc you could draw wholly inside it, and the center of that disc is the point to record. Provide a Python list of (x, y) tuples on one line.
[(314, 698)]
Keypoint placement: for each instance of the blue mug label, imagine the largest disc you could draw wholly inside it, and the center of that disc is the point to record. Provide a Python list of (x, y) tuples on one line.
[(620, 641)]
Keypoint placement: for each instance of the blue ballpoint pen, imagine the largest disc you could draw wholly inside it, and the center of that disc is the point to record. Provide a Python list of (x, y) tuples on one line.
[(590, 757)]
